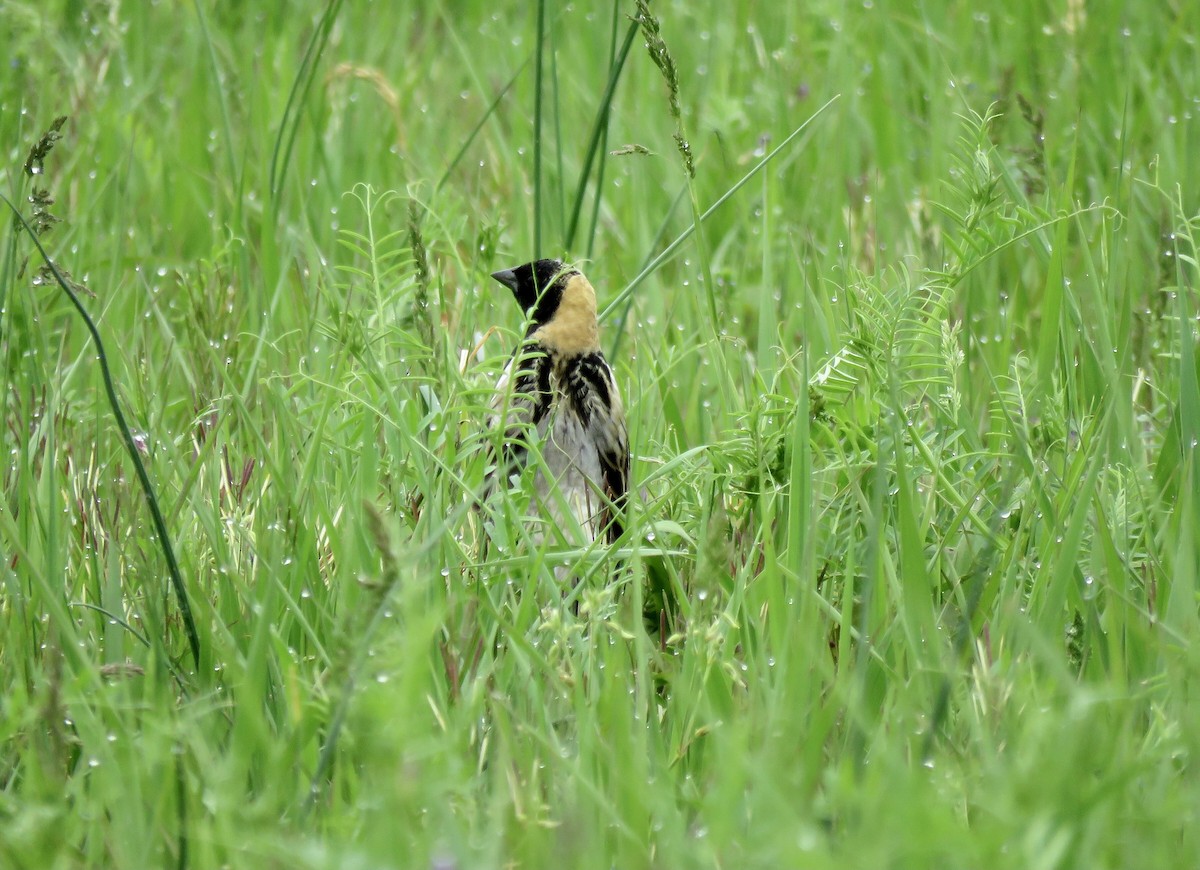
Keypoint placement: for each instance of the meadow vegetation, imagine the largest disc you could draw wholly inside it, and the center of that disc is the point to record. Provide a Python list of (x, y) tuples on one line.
[(904, 307)]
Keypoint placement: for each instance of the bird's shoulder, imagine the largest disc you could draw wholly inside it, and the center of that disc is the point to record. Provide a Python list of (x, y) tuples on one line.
[(524, 393), (587, 380)]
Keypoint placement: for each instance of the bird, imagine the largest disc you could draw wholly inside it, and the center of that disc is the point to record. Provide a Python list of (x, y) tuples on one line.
[(557, 394)]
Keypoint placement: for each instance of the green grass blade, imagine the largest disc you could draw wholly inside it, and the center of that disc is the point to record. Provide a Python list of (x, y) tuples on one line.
[(538, 102), (595, 137), (289, 122)]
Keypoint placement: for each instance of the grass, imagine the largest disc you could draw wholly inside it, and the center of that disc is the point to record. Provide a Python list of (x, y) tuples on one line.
[(912, 580)]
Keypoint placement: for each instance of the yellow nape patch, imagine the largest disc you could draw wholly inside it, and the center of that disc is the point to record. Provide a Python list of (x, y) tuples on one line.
[(573, 327)]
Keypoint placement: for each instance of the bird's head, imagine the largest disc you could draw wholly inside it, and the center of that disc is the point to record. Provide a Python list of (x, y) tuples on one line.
[(538, 287), (558, 300)]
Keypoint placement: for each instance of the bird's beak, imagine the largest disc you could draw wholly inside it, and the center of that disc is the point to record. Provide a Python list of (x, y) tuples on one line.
[(507, 277)]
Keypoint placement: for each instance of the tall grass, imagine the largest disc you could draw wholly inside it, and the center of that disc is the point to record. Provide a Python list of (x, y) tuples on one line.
[(911, 574)]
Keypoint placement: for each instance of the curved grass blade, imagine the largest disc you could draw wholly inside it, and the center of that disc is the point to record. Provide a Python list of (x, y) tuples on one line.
[(160, 524), (539, 63), (598, 127), (289, 125), (603, 146)]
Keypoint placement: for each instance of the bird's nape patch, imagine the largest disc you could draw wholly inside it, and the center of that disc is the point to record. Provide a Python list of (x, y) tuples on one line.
[(572, 329)]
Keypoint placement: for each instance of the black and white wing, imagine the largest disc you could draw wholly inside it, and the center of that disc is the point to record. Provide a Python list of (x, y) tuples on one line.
[(522, 400), (597, 401)]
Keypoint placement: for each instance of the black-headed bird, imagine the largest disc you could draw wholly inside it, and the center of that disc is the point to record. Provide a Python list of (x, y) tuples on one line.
[(559, 389)]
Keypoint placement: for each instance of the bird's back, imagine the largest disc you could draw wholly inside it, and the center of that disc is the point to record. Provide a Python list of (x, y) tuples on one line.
[(585, 448)]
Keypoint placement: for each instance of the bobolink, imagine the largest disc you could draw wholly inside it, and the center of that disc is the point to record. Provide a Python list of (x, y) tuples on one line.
[(559, 389)]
